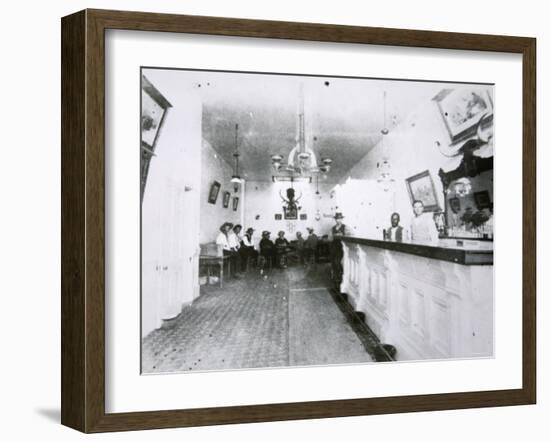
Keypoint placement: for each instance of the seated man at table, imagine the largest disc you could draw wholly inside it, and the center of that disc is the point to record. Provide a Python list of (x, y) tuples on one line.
[(222, 241), (234, 239), (282, 247), (247, 250), (267, 249)]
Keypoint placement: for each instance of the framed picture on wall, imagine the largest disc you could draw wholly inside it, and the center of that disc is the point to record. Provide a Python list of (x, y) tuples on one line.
[(482, 199), (154, 107), (226, 198), (421, 187), (462, 110), (107, 385), (235, 203), (303, 216), (214, 191), (291, 212)]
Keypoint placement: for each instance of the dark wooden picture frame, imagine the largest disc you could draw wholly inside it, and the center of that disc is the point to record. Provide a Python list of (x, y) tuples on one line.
[(235, 203), (214, 192), (150, 124), (430, 201), (83, 220), (482, 199), (480, 105), (291, 212), (226, 199)]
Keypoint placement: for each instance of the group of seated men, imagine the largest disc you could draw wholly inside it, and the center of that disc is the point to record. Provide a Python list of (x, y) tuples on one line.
[(241, 248)]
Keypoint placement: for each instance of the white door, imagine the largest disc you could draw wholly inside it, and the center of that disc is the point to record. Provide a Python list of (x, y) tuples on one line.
[(171, 205)]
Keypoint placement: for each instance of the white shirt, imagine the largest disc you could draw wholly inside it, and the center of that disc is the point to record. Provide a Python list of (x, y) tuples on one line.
[(423, 228), (247, 242), (391, 233), (234, 240), (221, 240)]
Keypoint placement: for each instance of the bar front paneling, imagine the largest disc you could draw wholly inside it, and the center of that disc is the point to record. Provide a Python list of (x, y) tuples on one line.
[(427, 301)]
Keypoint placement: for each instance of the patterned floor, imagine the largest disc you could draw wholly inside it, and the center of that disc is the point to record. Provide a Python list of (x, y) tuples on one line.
[(290, 318)]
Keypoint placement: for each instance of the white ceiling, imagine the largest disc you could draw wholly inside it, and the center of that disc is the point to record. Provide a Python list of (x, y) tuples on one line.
[(343, 116)]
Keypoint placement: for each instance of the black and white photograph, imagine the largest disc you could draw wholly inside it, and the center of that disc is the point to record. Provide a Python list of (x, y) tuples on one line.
[(395, 261)]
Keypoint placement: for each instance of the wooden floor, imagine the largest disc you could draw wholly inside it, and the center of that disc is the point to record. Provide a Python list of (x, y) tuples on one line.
[(288, 318)]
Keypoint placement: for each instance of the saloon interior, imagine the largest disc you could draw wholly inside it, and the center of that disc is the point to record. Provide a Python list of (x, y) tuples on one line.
[(287, 153)]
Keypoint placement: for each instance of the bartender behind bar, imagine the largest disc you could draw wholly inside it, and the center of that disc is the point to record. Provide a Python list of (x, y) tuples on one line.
[(422, 225), (395, 231)]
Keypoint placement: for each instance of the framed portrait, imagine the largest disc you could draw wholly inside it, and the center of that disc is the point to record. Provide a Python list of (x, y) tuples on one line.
[(132, 287), (462, 110), (303, 216), (482, 199), (153, 110), (214, 191), (421, 188), (226, 198), (291, 212)]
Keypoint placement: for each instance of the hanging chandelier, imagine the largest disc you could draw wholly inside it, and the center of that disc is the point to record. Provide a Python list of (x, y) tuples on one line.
[(236, 179), (302, 161)]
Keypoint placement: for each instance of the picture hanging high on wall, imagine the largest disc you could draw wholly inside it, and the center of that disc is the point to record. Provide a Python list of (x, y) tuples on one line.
[(214, 191), (421, 188), (226, 198), (462, 110)]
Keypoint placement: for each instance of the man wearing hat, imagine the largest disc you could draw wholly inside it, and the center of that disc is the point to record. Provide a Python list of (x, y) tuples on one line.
[(223, 242), (310, 246), (282, 248), (247, 247), (267, 248), (222, 239), (336, 248)]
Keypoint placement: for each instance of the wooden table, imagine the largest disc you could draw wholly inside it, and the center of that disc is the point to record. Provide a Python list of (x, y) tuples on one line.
[(216, 260)]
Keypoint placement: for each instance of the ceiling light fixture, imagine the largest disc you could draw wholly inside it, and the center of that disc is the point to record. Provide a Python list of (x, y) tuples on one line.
[(301, 159), (385, 177), (236, 179)]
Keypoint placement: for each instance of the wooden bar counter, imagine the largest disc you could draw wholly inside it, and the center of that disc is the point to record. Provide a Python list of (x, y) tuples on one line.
[(430, 301)]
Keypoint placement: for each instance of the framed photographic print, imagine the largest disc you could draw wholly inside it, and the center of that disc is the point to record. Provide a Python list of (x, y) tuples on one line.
[(139, 302), (226, 198), (153, 110), (214, 191), (482, 199), (421, 188), (303, 216), (462, 110), (291, 212)]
